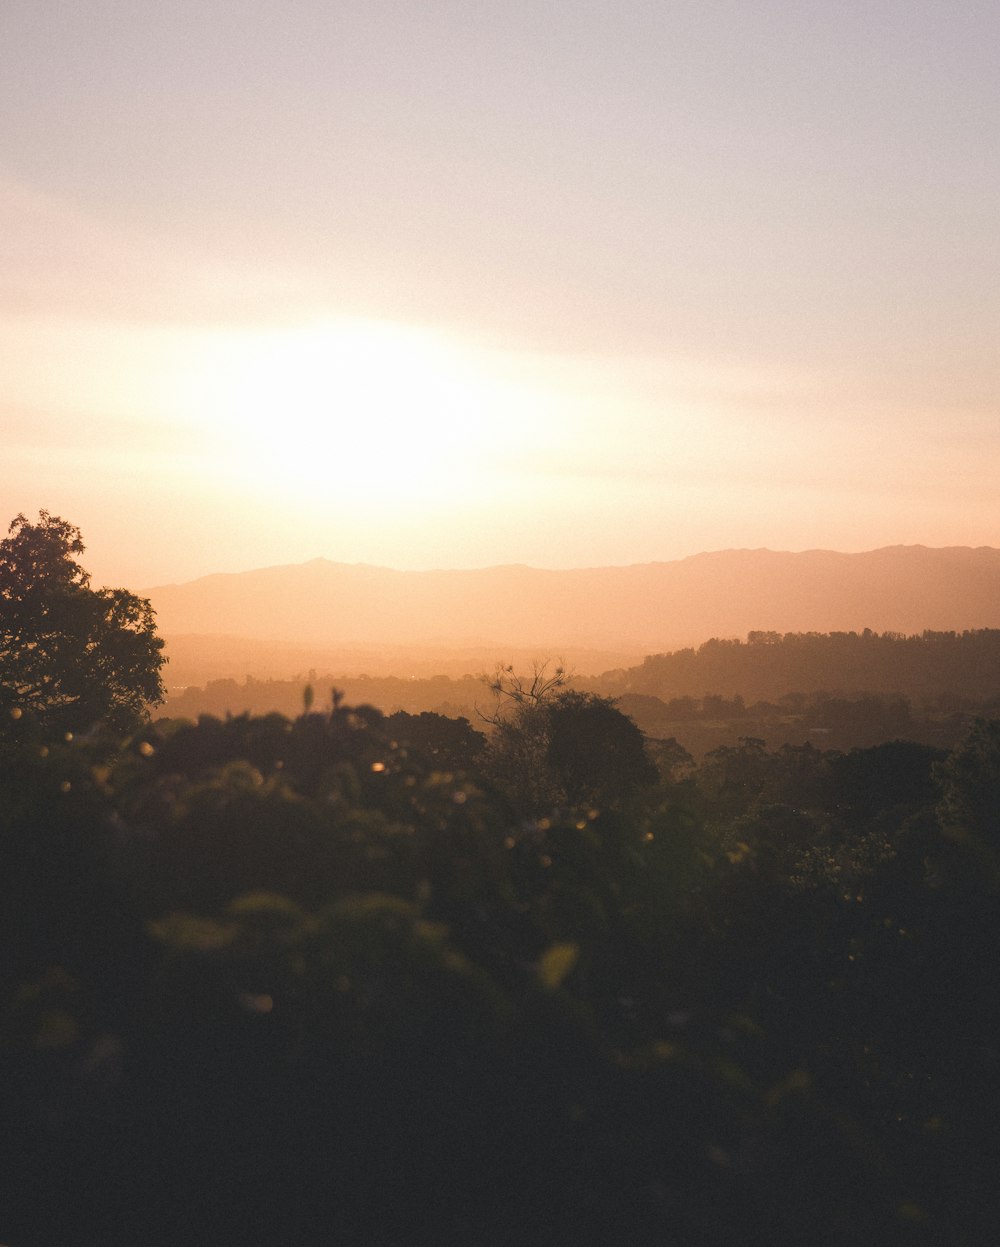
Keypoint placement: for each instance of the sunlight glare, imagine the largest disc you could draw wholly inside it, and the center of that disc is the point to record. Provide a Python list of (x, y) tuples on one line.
[(350, 405)]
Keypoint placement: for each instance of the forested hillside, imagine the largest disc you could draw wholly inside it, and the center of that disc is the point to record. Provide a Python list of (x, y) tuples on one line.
[(838, 690), (441, 694), (943, 666)]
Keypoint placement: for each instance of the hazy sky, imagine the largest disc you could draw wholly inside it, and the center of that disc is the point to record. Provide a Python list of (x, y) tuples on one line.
[(451, 284)]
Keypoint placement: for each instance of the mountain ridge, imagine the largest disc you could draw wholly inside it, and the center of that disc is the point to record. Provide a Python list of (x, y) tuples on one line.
[(323, 561), (640, 607)]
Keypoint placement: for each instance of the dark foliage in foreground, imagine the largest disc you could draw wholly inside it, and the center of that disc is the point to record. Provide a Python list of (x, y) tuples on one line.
[(295, 982)]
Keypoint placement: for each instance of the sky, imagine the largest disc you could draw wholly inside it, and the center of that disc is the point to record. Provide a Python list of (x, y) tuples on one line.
[(451, 285)]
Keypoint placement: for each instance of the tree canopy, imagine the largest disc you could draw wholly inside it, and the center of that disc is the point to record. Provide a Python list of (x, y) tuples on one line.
[(295, 981), (71, 656), (553, 746)]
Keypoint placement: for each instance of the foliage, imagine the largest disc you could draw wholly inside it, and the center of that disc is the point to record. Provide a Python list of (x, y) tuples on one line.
[(70, 656), (512, 691), (700, 724), (291, 980), (555, 746), (969, 780), (596, 752), (450, 744)]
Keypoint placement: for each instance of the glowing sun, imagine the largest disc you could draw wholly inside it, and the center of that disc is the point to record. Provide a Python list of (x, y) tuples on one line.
[(349, 405)]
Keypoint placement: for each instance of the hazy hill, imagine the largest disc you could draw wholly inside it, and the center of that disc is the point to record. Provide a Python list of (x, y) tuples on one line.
[(643, 608), (197, 658)]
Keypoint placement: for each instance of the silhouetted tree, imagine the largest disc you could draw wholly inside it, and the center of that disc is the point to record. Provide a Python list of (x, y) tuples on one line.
[(596, 753), (513, 692), (450, 744), (516, 758), (554, 746), (70, 655)]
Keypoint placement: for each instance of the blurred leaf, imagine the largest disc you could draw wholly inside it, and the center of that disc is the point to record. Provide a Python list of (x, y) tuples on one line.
[(189, 932), (556, 963)]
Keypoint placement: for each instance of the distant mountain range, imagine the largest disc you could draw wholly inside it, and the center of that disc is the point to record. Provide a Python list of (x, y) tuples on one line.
[(617, 611)]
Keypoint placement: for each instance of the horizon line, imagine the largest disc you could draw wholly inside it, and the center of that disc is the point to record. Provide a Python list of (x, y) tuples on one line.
[(520, 566)]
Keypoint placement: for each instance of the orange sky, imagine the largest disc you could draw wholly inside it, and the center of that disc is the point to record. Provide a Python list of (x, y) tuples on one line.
[(451, 286)]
